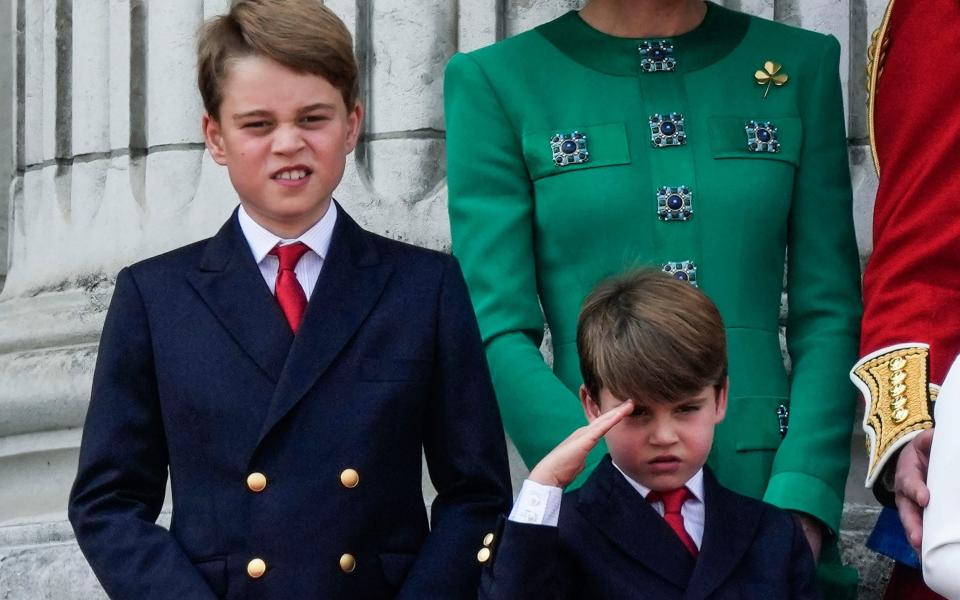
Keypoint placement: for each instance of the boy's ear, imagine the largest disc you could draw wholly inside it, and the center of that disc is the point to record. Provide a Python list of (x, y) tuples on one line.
[(591, 407), (213, 138), (355, 125), (722, 400)]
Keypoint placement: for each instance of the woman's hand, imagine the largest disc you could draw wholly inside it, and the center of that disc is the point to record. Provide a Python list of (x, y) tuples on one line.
[(564, 463)]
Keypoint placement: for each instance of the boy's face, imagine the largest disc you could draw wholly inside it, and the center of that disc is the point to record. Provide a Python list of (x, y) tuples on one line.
[(284, 138), (661, 445)]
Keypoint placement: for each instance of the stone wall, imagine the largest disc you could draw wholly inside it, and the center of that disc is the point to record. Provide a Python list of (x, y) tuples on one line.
[(110, 168)]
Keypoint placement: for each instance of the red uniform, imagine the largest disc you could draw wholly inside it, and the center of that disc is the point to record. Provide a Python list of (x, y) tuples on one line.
[(911, 318)]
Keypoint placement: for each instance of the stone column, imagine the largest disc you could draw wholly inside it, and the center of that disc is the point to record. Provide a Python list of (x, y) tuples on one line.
[(110, 168)]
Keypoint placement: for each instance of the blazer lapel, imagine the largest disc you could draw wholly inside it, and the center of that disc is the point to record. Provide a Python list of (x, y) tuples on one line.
[(609, 502), (350, 283), (729, 529), (229, 282)]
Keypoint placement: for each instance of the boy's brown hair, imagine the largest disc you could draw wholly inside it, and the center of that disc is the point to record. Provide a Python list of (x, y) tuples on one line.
[(302, 35), (648, 336)]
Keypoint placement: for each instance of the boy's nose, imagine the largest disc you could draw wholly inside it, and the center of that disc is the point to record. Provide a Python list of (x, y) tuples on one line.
[(287, 140), (663, 433)]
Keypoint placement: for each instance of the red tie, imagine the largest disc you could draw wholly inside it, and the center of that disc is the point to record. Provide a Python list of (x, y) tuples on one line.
[(672, 503), (290, 296)]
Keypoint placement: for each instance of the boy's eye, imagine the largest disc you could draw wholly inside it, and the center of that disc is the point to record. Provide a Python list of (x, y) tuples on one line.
[(255, 125), (312, 119), (639, 411), (688, 408)]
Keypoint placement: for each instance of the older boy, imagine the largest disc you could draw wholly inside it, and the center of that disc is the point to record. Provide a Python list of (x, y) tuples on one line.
[(651, 521), (292, 430)]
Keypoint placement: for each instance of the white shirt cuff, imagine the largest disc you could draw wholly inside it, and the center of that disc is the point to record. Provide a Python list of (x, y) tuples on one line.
[(537, 504)]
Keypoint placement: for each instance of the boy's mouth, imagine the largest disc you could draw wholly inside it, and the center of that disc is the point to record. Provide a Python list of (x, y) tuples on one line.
[(664, 464), (293, 173), (665, 458)]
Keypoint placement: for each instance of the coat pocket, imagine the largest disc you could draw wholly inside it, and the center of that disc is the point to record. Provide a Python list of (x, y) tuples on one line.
[(757, 422), (729, 139), (605, 145)]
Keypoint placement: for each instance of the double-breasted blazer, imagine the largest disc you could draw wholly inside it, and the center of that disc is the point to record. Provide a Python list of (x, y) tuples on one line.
[(199, 373), (610, 543)]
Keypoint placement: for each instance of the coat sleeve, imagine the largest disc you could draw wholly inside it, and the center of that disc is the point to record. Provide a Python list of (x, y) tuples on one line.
[(911, 286), (810, 468), (526, 564), (491, 223), (121, 479), (465, 453)]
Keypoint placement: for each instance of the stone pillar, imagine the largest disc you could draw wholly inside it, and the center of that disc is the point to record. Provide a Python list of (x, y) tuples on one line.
[(104, 133)]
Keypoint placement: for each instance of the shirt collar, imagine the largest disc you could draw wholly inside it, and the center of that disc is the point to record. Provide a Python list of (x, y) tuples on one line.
[(694, 484), (261, 241)]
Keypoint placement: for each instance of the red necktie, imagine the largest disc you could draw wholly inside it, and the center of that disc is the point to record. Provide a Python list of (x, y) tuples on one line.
[(672, 503), (290, 296)]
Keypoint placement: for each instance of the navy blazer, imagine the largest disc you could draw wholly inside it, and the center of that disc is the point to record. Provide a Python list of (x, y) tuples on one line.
[(199, 372), (610, 543)]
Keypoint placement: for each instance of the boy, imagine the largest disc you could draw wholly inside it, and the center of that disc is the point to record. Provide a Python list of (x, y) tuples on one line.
[(292, 430), (651, 521)]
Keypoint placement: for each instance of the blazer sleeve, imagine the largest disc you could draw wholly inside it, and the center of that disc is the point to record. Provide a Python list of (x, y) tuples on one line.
[(491, 223), (810, 468), (526, 564), (803, 572), (121, 479), (465, 453), (941, 530)]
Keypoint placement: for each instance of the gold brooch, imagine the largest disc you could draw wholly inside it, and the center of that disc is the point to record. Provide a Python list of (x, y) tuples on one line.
[(770, 75)]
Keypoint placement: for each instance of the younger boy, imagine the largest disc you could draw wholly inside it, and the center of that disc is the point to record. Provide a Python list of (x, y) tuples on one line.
[(293, 430), (651, 521)]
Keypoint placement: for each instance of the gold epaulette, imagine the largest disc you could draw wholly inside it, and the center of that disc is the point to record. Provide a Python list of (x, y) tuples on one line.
[(895, 384)]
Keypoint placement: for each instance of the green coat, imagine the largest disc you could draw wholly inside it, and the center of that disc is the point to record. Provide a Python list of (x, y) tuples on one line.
[(532, 234)]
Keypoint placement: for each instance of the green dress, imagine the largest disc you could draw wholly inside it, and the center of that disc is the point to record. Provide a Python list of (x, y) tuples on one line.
[(574, 155)]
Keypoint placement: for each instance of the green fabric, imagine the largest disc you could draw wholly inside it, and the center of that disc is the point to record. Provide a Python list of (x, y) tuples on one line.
[(534, 238)]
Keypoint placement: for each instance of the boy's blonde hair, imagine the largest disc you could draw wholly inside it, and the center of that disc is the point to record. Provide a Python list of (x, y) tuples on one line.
[(302, 35), (648, 336)]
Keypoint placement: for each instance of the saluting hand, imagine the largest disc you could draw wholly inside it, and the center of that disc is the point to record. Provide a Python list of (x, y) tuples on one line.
[(910, 486), (562, 465)]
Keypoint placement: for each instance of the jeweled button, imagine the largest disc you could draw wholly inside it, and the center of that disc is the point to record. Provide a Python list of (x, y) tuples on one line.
[(348, 563)]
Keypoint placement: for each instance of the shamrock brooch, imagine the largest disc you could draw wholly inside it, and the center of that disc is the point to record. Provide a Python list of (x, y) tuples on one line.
[(770, 75)]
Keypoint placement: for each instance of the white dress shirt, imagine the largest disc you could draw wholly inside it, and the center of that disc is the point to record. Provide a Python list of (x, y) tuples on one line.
[(941, 528), (539, 504), (317, 238)]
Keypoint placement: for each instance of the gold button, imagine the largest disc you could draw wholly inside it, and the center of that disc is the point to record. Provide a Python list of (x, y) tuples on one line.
[(256, 568), (898, 363), (349, 478), (257, 482), (484, 555), (488, 539), (348, 563)]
